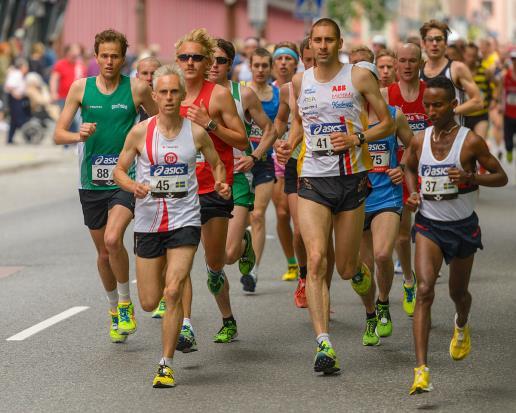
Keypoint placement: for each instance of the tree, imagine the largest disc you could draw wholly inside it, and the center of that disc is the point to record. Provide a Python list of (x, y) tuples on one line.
[(374, 10)]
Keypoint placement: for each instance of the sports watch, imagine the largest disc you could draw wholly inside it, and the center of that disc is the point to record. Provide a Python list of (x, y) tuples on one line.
[(361, 138), (212, 125)]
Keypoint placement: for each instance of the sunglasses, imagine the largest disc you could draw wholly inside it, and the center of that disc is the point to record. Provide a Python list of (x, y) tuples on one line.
[(221, 60), (194, 57), (437, 39)]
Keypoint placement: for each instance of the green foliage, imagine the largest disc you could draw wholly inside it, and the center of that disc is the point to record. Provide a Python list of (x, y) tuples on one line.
[(345, 10)]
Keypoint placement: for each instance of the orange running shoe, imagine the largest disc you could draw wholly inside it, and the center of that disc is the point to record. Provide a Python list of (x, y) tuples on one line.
[(300, 295)]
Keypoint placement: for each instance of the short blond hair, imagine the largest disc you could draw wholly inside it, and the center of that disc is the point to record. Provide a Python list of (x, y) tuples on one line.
[(166, 70), (202, 37), (363, 49)]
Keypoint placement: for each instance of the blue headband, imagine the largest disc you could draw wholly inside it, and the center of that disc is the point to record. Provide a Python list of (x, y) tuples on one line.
[(285, 50)]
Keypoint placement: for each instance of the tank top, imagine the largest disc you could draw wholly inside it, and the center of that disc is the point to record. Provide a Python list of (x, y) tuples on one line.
[(334, 106), (480, 78), (168, 166), (459, 93), (270, 107), (442, 200), (225, 151), (414, 111), (115, 115), (384, 193), (509, 94), (236, 92)]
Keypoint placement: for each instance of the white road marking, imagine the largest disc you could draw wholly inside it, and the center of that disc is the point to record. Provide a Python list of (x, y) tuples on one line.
[(133, 282), (46, 323)]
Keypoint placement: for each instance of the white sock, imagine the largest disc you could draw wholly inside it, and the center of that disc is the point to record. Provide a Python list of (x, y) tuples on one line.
[(187, 322), (166, 361), (324, 337), (255, 270), (112, 297), (123, 292)]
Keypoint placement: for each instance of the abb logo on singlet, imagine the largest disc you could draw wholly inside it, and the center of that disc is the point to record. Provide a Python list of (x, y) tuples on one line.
[(170, 157), (338, 88)]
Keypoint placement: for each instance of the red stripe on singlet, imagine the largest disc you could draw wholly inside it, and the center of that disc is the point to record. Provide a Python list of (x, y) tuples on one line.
[(163, 227), (148, 139)]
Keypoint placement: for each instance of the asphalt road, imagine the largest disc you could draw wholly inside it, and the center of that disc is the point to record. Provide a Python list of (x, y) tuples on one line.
[(72, 366)]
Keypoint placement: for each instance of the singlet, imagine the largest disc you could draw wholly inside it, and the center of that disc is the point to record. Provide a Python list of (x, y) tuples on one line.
[(168, 166), (334, 106), (225, 151), (442, 200), (480, 78), (236, 92), (414, 111), (383, 153), (270, 107), (446, 72), (115, 115), (509, 94)]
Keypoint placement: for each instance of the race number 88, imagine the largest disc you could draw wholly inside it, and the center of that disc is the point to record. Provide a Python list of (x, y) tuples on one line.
[(102, 173)]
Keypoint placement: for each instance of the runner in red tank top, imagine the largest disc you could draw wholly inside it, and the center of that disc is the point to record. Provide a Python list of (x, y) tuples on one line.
[(508, 95), (211, 106)]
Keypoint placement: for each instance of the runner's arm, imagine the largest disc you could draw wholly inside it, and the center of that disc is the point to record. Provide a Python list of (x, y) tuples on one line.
[(295, 135), (465, 80), (73, 100), (231, 130), (281, 121), (403, 131), (259, 116), (143, 94), (412, 162), (204, 144)]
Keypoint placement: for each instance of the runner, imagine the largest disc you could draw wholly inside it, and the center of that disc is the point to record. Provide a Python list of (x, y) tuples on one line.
[(444, 158), (407, 94), (333, 167), (211, 106), (108, 105), (263, 169), (383, 210), (435, 36), (386, 63), (166, 147), (145, 68), (285, 61), (507, 96), (242, 72)]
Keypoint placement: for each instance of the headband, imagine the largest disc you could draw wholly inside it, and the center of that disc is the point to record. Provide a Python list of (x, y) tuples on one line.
[(285, 50)]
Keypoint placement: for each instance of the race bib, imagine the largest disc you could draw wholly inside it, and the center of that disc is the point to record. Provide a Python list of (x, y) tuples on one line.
[(435, 183), (199, 157), (102, 169), (320, 143), (511, 99), (381, 156), (169, 181)]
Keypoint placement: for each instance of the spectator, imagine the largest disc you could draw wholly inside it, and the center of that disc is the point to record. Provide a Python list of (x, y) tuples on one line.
[(378, 43), (242, 72), (37, 62), (17, 101)]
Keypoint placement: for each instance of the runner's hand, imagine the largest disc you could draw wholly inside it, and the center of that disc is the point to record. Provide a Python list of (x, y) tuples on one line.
[(459, 177), (341, 141), (141, 190), (396, 175), (223, 189), (413, 201), (283, 152), (86, 130), (199, 114), (244, 164)]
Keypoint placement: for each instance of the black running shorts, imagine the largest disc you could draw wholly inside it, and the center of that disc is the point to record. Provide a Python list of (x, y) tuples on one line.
[(96, 204)]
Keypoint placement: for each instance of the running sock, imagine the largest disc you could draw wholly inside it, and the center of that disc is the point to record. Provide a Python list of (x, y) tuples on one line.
[(188, 323), (166, 361), (324, 337), (112, 297), (302, 271), (227, 320), (123, 292), (254, 271), (378, 301), (291, 261), (370, 315), (217, 273)]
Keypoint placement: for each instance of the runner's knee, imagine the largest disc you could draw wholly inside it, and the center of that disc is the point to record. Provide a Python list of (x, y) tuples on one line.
[(425, 293), (113, 242)]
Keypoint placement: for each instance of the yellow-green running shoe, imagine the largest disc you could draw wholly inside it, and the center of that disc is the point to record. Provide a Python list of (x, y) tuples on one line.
[(361, 282), (325, 359), (384, 324), (409, 297), (186, 342), (159, 312), (292, 273), (370, 337), (164, 378), (460, 345), (422, 382), (227, 333), (126, 319), (116, 337), (248, 258)]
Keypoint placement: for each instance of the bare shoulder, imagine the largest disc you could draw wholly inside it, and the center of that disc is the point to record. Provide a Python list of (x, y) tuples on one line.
[(459, 68), (77, 89), (198, 131), (284, 92)]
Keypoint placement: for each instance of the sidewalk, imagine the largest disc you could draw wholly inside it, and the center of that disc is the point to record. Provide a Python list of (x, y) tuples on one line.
[(21, 156)]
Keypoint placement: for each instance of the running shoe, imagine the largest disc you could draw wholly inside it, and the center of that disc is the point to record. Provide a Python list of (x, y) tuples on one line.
[(460, 345), (159, 312), (227, 333), (300, 294), (370, 337), (409, 297), (384, 325), (421, 381), (249, 282), (216, 282), (164, 378), (509, 156), (397, 267), (248, 258), (325, 359), (291, 274), (126, 319), (186, 342), (116, 337), (363, 284)]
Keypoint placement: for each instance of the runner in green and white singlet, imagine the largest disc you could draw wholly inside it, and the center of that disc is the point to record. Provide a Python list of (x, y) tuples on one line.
[(108, 105)]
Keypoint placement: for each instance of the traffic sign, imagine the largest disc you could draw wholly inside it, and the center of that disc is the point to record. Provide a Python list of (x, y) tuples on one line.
[(308, 9)]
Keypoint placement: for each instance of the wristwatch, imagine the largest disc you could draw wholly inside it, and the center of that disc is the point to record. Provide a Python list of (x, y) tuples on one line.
[(212, 125), (361, 138), (255, 159)]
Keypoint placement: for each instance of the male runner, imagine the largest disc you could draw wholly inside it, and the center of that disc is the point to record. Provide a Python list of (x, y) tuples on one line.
[(108, 104), (333, 166), (167, 214), (285, 60), (444, 159), (386, 63), (407, 94), (507, 97), (211, 106), (145, 68), (435, 36)]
